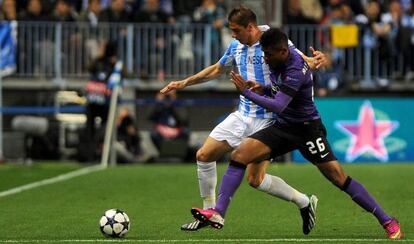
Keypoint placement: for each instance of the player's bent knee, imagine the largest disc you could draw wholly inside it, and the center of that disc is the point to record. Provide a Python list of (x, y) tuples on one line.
[(202, 156), (238, 156)]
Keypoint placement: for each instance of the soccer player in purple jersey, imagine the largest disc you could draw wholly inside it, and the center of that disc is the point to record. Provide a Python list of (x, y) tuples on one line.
[(245, 55), (297, 126)]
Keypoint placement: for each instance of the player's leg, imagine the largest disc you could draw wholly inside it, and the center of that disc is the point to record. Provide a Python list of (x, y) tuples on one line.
[(276, 186), (273, 185), (333, 171), (232, 179), (315, 148), (280, 144), (221, 140), (256, 174), (207, 156)]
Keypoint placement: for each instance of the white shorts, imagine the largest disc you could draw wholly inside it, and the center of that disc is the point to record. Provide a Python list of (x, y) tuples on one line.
[(236, 127)]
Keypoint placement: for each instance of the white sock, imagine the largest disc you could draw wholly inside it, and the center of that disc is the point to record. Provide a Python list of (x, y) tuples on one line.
[(207, 181), (275, 186)]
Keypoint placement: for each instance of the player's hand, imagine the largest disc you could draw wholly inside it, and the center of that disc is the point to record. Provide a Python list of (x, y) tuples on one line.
[(173, 85), (238, 81), (245, 84), (242, 84), (255, 87), (320, 58)]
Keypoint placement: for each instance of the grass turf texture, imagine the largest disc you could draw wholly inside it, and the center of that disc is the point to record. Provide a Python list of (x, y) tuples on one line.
[(13, 175), (158, 198)]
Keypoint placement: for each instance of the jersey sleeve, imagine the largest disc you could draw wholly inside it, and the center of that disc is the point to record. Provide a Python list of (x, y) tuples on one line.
[(291, 83), (276, 104), (228, 58)]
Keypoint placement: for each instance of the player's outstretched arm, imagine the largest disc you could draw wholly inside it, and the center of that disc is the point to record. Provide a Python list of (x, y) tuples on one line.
[(209, 73), (173, 85), (317, 60)]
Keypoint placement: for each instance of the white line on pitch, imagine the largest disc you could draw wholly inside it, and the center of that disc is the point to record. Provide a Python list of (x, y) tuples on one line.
[(52, 180), (213, 240)]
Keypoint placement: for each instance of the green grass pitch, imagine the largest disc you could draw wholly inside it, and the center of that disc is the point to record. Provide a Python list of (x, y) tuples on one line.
[(158, 199)]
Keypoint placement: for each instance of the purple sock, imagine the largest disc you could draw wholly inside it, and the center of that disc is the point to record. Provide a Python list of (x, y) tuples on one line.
[(361, 196), (230, 182)]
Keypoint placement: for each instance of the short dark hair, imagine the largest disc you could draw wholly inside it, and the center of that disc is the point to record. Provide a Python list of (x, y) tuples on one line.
[(242, 16), (274, 38)]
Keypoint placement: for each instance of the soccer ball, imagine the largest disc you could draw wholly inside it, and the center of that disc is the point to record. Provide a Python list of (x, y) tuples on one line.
[(114, 223)]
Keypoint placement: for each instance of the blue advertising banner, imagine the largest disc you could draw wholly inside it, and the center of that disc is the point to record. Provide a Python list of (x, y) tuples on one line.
[(368, 130), (7, 47)]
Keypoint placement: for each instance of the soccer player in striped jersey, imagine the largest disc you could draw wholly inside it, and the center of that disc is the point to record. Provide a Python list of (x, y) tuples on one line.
[(244, 54), (297, 126)]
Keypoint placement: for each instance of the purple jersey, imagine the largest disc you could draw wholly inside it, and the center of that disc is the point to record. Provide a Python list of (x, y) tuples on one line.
[(291, 95)]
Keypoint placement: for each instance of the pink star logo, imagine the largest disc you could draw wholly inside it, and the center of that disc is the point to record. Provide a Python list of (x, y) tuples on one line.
[(367, 134)]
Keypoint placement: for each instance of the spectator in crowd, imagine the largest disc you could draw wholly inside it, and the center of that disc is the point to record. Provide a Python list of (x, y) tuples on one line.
[(393, 17), (151, 12), (63, 12), (330, 77), (91, 14), (33, 12), (377, 36), (48, 6), (167, 6), (168, 123), (350, 8), (8, 10), (77, 5), (210, 13), (28, 50), (20, 5), (105, 4), (312, 9), (134, 5), (90, 18), (410, 54), (128, 144), (338, 14), (294, 14), (183, 10), (357, 6), (371, 21), (401, 36), (117, 12)]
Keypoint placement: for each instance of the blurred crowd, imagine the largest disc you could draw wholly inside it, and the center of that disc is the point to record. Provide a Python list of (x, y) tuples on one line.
[(95, 11), (387, 12), (387, 27)]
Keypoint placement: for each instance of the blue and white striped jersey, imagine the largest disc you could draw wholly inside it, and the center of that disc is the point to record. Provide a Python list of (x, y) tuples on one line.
[(249, 61)]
